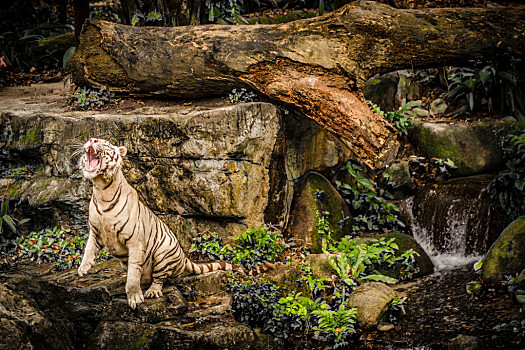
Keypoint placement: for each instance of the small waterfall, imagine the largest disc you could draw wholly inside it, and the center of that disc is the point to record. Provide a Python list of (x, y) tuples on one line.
[(455, 221)]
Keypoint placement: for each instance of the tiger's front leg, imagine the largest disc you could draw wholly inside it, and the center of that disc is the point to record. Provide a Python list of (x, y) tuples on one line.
[(135, 266), (90, 254)]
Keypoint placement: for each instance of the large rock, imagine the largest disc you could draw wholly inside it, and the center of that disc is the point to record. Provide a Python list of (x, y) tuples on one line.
[(188, 163), (22, 322), (400, 178), (371, 300), (473, 147), (315, 196), (208, 166), (506, 257), (42, 309), (389, 90)]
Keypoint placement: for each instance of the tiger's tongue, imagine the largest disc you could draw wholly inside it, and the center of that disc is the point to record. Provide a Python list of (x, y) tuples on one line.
[(93, 163), (93, 160)]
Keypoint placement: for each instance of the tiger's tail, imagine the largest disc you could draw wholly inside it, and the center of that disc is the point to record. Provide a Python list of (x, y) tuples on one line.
[(198, 269)]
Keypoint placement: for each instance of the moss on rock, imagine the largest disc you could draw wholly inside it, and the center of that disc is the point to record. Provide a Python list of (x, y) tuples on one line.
[(507, 254), (316, 195), (472, 147)]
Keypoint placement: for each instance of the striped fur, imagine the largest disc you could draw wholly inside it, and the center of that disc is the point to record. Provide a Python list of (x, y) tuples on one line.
[(129, 230)]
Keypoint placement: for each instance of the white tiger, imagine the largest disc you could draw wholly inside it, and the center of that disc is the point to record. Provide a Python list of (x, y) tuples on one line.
[(129, 230)]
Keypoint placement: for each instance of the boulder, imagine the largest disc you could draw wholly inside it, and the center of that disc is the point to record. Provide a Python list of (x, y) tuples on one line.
[(43, 309), (314, 197), (22, 323), (507, 254), (320, 266), (473, 147), (466, 342), (186, 162), (371, 300), (219, 336), (390, 90), (399, 176)]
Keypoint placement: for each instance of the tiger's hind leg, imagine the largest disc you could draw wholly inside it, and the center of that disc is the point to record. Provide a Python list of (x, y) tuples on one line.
[(155, 290)]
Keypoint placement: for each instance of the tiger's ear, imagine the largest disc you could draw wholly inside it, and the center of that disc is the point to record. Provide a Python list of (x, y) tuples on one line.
[(123, 150)]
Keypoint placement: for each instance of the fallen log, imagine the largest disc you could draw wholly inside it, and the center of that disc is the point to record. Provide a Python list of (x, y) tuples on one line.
[(316, 65)]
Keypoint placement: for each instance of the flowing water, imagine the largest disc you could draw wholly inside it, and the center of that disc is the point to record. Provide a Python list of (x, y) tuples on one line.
[(455, 223)]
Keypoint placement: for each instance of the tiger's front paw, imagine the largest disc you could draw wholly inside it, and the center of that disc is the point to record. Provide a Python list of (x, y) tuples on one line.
[(83, 269), (135, 297)]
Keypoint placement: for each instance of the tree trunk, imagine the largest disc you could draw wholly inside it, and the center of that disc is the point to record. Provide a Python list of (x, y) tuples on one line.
[(316, 65), (81, 10)]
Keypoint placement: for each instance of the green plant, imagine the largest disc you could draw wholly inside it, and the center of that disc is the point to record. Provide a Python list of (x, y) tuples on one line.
[(445, 167), (337, 322), (253, 247), (16, 173), (241, 96), (370, 212), (323, 226), (23, 30), (225, 11), (508, 187), (50, 245), (488, 88), (141, 19), (66, 59), (6, 218), (395, 309), (90, 98), (472, 287), (296, 304), (402, 118), (354, 263)]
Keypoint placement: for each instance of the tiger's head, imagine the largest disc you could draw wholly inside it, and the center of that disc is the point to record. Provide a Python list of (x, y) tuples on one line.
[(101, 158)]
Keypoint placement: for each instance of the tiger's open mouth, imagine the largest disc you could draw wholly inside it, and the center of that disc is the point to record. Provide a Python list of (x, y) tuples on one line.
[(93, 160)]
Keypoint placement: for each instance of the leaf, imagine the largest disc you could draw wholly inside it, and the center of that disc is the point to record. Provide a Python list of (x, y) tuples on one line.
[(381, 278), (470, 99), (66, 60), (484, 75), (5, 207), (520, 298), (134, 20), (478, 265), (7, 219), (154, 15), (214, 13)]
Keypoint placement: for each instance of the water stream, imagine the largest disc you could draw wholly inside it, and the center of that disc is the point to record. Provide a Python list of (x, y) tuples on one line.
[(455, 222)]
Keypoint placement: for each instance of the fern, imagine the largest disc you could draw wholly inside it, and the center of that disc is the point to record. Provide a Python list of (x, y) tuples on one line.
[(336, 322)]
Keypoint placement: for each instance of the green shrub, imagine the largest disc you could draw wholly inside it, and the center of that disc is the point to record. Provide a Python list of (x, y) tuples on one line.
[(252, 248), (508, 187), (370, 212), (50, 245)]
